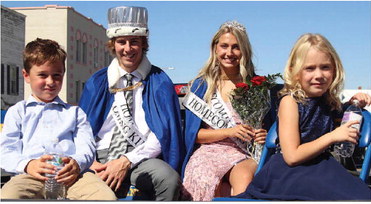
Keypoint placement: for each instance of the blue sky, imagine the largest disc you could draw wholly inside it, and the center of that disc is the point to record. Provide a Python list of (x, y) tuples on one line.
[(181, 31)]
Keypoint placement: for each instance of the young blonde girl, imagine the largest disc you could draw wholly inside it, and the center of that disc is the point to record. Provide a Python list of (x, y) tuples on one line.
[(304, 169)]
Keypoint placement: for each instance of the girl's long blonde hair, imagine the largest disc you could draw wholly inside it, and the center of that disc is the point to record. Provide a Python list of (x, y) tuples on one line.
[(211, 72), (295, 64)]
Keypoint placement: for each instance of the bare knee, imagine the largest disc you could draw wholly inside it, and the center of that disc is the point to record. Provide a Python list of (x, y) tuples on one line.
[(241, 176)]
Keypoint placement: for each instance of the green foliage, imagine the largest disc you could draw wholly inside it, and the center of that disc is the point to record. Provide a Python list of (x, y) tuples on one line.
[(251, 100)]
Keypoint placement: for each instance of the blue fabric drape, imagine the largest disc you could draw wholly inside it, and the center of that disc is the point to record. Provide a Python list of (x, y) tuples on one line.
[(160, 104)]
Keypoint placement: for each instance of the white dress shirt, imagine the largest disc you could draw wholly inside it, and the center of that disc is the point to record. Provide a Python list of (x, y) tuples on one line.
[(151, 148)]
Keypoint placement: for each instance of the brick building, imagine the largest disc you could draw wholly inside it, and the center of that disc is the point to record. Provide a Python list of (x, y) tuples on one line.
[(83, 39), (12, 44)]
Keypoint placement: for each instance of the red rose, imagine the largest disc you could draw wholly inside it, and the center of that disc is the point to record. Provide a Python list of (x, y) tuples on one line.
[(258, 80), (242, 85)]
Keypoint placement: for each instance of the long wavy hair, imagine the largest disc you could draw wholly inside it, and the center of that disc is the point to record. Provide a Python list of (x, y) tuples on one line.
[(295, 64), (211, 73)]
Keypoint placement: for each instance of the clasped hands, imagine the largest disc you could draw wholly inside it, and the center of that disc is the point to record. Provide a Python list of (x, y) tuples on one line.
[(67, 175), (247, 133)]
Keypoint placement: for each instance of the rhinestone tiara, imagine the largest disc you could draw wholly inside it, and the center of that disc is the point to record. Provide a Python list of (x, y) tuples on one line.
[(234, 24)]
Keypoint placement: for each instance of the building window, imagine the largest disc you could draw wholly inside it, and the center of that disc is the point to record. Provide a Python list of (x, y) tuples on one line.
[(78, 46), (78, 92), (96, 53), (84, 49), (95, 57), (2, 78), (12, 80), (84, 52), (78, 50), (17, 80), (107, 58)]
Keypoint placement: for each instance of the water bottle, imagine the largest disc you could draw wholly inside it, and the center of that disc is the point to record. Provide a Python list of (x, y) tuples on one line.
[(353, 112), (53, 189)]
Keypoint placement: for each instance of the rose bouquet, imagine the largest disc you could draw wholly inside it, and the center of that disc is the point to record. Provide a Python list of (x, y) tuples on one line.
[(251, 100)]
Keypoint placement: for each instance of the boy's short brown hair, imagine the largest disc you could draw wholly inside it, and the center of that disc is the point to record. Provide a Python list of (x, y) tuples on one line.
[(40, 51)]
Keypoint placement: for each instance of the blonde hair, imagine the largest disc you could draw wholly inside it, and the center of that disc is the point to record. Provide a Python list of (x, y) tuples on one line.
[(295, 65), (211, 72)]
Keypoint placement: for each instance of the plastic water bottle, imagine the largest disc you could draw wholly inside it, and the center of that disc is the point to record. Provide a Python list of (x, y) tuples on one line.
[(53, 189), (353, 112)]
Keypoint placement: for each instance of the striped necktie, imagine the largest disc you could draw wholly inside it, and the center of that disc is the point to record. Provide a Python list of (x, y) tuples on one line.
[(119, 146), (129, 93)]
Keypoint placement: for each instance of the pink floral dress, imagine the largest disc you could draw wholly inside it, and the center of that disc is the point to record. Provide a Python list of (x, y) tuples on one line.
[(207, 166)]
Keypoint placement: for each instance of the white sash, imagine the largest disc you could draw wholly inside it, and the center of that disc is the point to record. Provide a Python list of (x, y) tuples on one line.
[(125, 123), (215, 116)]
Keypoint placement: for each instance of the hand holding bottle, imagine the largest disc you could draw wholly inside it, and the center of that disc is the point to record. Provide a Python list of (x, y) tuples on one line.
[(346, 133), (69, 173), (363, 99), (353, 113), (39, 167)]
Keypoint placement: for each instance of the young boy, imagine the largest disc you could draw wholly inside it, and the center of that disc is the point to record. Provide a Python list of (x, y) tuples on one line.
[(30, 125)]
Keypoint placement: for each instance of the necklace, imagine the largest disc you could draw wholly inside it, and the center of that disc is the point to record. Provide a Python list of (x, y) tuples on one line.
[(130, 88)]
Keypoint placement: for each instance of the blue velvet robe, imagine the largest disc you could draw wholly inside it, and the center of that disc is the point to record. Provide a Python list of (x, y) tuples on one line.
[(160, 104)]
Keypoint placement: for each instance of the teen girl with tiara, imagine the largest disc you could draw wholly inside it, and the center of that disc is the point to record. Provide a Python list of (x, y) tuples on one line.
[(214, 154), (304, 169)]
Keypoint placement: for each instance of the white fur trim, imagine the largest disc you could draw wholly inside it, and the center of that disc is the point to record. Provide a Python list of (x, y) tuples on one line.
[(126, 31), (114, 75)]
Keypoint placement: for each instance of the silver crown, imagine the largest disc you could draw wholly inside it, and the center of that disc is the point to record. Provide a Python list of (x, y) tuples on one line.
[(127, 21), (234, 24)]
